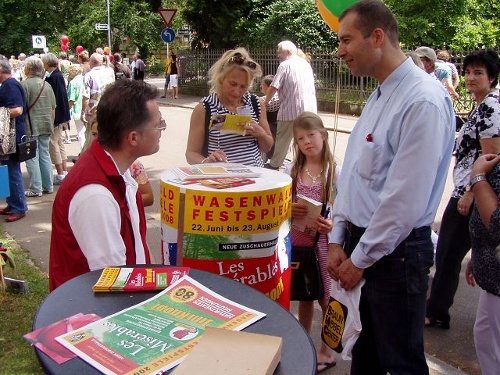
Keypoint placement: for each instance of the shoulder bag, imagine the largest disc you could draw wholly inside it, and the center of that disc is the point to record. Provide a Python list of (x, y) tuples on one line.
[(307, 283), (26, 149)]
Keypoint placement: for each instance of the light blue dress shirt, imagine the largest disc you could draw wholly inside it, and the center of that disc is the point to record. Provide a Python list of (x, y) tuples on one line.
[(396, 163)]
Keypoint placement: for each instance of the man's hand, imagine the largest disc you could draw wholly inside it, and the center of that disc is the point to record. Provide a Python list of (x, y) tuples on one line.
[(336, 255), (349, 274)]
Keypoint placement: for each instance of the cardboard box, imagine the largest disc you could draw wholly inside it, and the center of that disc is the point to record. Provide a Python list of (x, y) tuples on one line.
[(225, 352), (4, 182)]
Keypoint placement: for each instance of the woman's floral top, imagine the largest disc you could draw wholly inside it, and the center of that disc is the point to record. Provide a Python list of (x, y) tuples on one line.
[(483, 123)]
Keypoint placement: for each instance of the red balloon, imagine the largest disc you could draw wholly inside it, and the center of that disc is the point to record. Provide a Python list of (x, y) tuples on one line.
[(64, 47), (111, 58), (64, 40), (79, 49)]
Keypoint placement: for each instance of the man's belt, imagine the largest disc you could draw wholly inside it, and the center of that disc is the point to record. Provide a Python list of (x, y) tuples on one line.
[(356, 231)]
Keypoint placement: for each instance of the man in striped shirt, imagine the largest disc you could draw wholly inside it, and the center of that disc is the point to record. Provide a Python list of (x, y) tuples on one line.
[(294, 82)]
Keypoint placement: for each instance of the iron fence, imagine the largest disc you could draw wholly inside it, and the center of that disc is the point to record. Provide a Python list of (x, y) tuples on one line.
[(328, 75), (196, 63)]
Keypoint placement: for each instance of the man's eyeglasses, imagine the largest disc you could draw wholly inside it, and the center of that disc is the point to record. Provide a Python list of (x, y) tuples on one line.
[(240, 60), (162, 127)]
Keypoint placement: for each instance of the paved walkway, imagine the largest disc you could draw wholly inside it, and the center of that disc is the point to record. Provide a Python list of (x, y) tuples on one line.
[(33, 234)]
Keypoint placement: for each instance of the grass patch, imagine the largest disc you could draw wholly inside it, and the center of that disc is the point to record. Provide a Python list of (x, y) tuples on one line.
[(17, 312)]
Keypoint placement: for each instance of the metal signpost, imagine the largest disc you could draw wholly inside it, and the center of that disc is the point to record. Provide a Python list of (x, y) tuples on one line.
[(167, 34), (105, 26)]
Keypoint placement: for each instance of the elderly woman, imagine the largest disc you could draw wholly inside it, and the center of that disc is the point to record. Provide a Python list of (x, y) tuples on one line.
[(484, 266), (230, 79), (41, 104), (479, 135)]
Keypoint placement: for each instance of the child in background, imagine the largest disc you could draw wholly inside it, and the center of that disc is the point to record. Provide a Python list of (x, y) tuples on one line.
[(137, 171), (313, 175)]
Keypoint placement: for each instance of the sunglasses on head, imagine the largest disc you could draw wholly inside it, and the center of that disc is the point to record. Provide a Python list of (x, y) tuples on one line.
[(240, 60)]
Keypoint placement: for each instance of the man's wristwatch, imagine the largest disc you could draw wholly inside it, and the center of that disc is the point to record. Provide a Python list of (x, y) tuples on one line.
[(474, 180)]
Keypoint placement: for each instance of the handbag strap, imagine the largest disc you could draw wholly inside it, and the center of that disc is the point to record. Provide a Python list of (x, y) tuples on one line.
[(29, 121), (38, 96), (31, 106), (324, 213)]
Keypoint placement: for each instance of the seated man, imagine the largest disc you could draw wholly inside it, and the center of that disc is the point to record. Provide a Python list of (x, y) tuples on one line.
[(98, 218)]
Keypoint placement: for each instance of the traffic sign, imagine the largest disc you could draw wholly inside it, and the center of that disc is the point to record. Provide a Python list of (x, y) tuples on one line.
[(184, 30), (167, 15), (101, 26), (39, 41), (168, 35)]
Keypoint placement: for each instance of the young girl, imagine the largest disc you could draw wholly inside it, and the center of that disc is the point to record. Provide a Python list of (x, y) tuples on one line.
[(313, 174)]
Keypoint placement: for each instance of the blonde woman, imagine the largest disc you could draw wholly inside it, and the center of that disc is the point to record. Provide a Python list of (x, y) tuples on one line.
[(230, 78)]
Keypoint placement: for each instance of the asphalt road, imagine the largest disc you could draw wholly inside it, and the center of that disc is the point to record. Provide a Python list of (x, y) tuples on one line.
[(448, 352)]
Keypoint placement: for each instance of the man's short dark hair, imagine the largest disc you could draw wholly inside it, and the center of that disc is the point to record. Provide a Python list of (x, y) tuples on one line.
[(374, 14), (122, 109), (117, 57)]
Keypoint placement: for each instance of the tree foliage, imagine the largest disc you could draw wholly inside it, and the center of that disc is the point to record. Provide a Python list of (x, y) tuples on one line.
[(296, 20), (458, 24), (131, 22), (256, 23), (219, 23), (134, 21)]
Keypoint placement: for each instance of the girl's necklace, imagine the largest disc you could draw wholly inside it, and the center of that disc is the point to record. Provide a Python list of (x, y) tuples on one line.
[(313, 178)]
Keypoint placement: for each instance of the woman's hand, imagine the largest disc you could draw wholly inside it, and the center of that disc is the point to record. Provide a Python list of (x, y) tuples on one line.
[(299, 210), (464, 203), (218, 156), (469, 275), (253, 129), (485, 164)]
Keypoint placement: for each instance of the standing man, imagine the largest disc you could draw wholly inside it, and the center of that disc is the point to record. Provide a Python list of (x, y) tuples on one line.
[(12, 96), (57, 150), (139, 68), (64, 65), (392, 179), (94, 84), (98, 218), (122, 71), (443, 56), (294, 82), (437, 69)]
